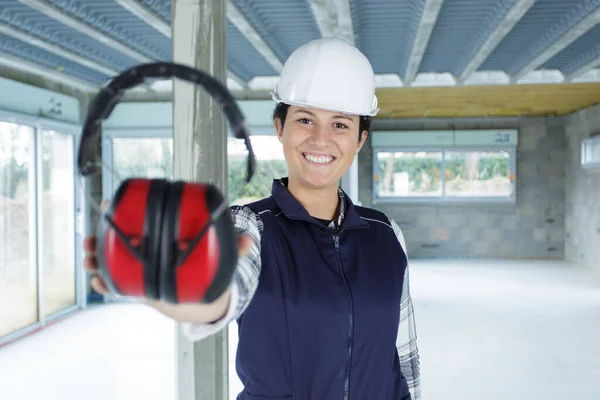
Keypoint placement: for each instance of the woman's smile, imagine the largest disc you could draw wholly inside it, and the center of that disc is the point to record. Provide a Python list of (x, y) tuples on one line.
[(318, 159)]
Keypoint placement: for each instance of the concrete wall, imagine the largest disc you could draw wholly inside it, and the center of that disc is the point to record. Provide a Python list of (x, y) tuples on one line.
[(534, 227), (582, 244)]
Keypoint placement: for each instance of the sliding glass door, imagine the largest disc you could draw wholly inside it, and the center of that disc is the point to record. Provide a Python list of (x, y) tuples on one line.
[(38, 262), (18, 274), (57, 222)]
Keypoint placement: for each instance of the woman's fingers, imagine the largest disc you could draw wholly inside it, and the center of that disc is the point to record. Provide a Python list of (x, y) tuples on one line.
[(89, 244), (98, 285), (90, 264)]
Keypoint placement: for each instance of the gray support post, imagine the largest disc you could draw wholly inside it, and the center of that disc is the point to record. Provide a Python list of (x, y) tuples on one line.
[(349, 181), (200, 154)]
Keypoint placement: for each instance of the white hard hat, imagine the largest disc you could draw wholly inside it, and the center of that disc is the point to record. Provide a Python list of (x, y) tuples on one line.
[(329, 74)]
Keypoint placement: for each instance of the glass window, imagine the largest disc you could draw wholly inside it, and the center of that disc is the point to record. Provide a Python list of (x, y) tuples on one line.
[(477, 173), (152, 157), (473, 174), (144, 157), (58, 225), (270, 164), (18, 276), (409, 174), (590, 152)]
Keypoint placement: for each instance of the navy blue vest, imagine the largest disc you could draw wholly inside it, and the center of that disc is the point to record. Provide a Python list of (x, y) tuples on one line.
[(324, 319)]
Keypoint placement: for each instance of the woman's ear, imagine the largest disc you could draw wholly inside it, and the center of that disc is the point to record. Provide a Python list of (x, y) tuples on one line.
[(279, 129), (363, 139)]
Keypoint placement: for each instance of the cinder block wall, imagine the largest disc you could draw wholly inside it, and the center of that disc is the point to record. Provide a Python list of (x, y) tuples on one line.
[(534, 227), (582, 244)]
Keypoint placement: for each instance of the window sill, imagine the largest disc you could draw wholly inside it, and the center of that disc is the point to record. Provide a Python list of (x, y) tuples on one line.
[(475, 201)]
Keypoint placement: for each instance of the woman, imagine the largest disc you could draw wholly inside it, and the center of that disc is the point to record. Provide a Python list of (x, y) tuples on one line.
[(321, 292)]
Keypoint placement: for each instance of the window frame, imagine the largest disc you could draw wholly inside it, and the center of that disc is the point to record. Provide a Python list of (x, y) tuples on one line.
[(444, 199), (145, 133), (108, 135)]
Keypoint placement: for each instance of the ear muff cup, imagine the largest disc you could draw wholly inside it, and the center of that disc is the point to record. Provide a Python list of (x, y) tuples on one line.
[(103, 233), (206, 272), (121, 262), (160, 221), (153, 226)]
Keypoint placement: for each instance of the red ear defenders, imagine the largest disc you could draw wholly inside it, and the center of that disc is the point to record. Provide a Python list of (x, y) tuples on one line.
[(164, 240)]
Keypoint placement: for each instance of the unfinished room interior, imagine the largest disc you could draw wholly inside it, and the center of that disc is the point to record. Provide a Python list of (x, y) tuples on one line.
[(484, 152)]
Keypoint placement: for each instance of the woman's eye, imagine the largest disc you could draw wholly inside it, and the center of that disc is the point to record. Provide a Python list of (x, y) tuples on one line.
[(339, 125), (304, 121)]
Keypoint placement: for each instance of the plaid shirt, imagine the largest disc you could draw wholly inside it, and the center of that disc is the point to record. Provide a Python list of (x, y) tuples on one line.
[(245, 282)]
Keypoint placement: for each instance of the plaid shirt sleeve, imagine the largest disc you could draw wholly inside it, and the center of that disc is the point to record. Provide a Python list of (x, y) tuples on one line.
[(406, 342), (245, 278)]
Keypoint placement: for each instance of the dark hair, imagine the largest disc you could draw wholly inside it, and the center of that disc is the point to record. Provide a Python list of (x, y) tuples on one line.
[(281, 110)]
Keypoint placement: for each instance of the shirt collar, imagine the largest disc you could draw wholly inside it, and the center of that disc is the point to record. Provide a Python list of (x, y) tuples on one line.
[(292, 208)]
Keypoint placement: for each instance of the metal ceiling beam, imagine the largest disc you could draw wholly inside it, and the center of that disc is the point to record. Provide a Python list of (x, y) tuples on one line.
[(46, 73), (583, 69), (46, 8), (237, 79), (431, 10), (34, 41), (334, 19), (146, 15), (512, 16), (158, 23), (240, 21), (569, 37), (242, 94)]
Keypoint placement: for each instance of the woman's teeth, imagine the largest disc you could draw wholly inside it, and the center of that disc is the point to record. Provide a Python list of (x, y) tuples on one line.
[(318, 159)]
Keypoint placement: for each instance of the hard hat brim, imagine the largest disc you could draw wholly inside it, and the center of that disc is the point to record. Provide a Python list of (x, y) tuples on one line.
[(277, 99)]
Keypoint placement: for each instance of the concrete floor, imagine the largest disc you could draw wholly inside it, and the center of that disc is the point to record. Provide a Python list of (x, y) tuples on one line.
[(508, 330), (487, 330)]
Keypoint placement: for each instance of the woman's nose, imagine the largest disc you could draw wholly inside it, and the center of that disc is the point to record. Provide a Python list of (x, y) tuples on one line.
[(321, 134)]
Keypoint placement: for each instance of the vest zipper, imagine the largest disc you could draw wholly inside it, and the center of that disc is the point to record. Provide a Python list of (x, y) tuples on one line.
[(336, 241)]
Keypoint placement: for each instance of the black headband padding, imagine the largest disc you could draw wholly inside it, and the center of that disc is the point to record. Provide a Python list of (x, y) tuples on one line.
[(169, 238), (153, 226)]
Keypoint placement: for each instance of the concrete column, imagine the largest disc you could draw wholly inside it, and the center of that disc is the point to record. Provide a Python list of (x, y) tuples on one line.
[(350, 181), (200, 154)]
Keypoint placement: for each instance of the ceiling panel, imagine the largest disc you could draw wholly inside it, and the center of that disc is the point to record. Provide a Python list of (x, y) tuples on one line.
[(162, 8), (22, 18), (243, 58), (283, 25), (545, 22), (17, 48), (118, 23), (580, 52), (461, 28), (385, 31)]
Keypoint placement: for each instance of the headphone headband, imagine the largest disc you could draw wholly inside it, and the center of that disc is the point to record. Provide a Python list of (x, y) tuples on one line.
[(105, 101)]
